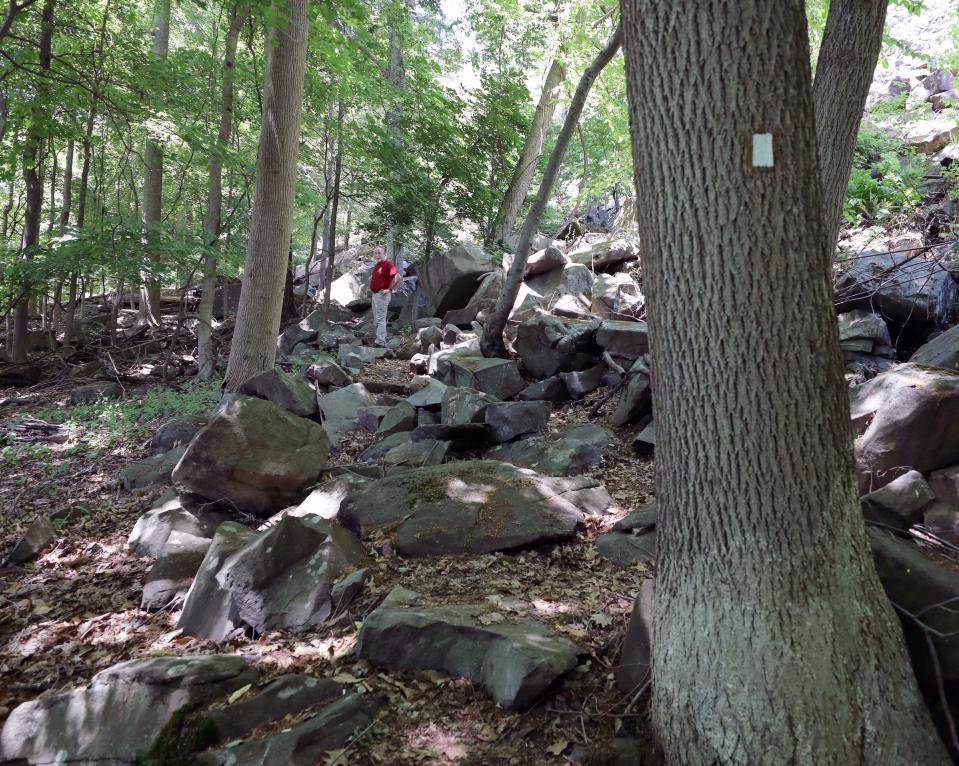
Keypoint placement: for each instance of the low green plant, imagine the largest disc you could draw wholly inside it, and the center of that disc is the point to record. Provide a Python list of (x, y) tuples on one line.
[(889, 106), (884, 184)]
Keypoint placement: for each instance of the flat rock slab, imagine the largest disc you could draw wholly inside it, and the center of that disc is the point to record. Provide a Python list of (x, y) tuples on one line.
[(283, 389), (636, 401), (255, 456), (473, 507), (551, 389), (625, 339), (942, 351), (400, 417), (278, 579), (119, 715), (416, 454), (509, 420), (575, 451), (499, 378), (376, 452), (901, 502), (514, 662)]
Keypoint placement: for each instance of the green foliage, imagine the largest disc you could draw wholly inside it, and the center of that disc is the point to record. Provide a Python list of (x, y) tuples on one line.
[(883, 185), (889, 106)]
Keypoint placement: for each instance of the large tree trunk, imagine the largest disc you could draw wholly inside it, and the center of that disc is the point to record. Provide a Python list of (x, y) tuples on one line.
[(492, 341), (261, 299), (847, 61), (153, 179), (206, 353), (772, 639), (526, 164), (33, 183)]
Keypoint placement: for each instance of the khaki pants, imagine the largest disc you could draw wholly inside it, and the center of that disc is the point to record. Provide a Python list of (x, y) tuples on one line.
[(381, 305)]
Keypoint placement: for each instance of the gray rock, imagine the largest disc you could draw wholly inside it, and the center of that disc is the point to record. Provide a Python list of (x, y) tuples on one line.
[(376, 452), (371, 417), (863, 325), (309, 742), (475, 507), (431, 335), (155, 469), (545, 260), (616, 296), (646, 437), (328, 374), (575, 451), (551, 389), (400, 417), (171, 575), (636, 401), (640, 520), (514, 661), (284, 390), (901, 502), (326, 500), (508, 420), (93, 391), (942, 351), (635, 662), (176, 432), (427, 418), (917, 585), (283, 696), (349, 355), (497, 377), (449, 279), (347, 590), (422, 322), (279, 579), (625, 548), (416, 454), (581, 382), (118, 716), (429, 396), (254, 455), (38, 536), (909, 290), (909, 419), (464, 405), (548, 345), (623, 339), (172, 515), (944, 483), (607, 255), (461, 438), (340, 409)]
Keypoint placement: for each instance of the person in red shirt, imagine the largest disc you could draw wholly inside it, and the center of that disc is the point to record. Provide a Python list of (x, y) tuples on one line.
[(385, 277)]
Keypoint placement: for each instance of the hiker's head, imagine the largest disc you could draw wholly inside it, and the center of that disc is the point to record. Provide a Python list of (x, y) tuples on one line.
[(379, 252)]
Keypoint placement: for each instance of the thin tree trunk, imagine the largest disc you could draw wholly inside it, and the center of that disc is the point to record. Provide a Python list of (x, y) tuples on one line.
[(773, 642), (153, 180), (261, 298), (396, 77), (33, 183), (53, 187), (492, 342), (529, 158), (330, 241), (67, 188), (206, 353), (847, 60), (70, 321), (346, 227)]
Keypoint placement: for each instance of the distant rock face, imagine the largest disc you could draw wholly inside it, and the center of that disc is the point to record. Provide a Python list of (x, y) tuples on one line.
[(284, 390), (254, 455), (908, 418), (450, 279), (116, 719), (905, 289), (279, 579), (515, 661), (474, 507)]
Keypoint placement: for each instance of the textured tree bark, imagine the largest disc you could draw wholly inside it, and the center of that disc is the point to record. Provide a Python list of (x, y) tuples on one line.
[(153, 178), (33, 183), (773, 642), (492, 342), (529, 158), (206, 353), (847, 60), (261, 298)]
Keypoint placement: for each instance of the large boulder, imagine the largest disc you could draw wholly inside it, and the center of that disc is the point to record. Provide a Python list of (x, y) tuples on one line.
[(464, 405), (254, 456), (623, 339), (284, 390), (340, 409), (636, 401), (515, 660), (901, 502), (544, 260), (497, 377), (473, 507), (93, 391), (548, 345), (607, 254), (116, 719), (906, 289), (565, 291), (863, 331), (450, 279), (176, 432), (279, 579), (173, 516), (575, 451), (350, 289), (929, 136), (617, 296), (508, 420), (908, 418), (400, 417), (942, 351)]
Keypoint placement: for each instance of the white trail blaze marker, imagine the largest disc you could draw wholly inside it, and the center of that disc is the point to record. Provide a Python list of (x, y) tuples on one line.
[(763, 150)]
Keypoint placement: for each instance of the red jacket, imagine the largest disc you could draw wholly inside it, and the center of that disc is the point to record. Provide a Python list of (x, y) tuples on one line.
[(383, 273)]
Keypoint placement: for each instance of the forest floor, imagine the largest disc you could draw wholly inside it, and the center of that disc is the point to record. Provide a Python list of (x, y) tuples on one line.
[(75, 610)]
